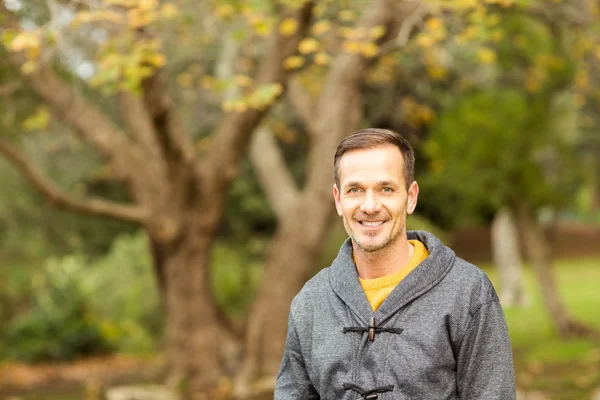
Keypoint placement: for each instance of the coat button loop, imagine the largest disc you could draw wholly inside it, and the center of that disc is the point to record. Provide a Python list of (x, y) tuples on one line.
[(372, 396)]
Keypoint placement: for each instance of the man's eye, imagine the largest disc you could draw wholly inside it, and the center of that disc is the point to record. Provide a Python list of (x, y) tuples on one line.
[(387, 189), (353, 190)]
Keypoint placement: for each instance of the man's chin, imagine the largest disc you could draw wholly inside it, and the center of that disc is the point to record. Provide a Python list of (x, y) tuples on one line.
[(370, 246)]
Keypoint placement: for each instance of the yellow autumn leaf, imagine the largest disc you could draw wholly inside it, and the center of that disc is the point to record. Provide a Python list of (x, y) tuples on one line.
[(437, 72), (240, 106), (320, 9), (28, 67), (497, 35), (320, 27), (347, 15), (169, 11), (288, 27), (465, 4), (322, 58), (39, 120), (426, 114), (121, 3), (147, 4), (138, 19), (352, 46), (369, 50), (158, 60), (434, 24), (308, 45), (293, 62), (425, 41), (345, 32), (34, 52), (228, 105), (377, 32), (486, 55), (23, 41), (242, 80), (224, 10), (263, 27)]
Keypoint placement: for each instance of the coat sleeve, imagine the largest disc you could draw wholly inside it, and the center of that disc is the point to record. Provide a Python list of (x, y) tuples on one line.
[(293, 382), (484, 361)]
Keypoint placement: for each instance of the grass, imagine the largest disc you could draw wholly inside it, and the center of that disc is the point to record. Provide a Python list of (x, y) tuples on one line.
[(559, 368)]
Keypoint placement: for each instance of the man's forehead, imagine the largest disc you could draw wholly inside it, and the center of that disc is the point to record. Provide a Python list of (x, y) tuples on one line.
[(375, 156), (379, 163)]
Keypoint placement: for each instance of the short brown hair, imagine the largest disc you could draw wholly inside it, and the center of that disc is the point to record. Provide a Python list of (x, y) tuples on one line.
[(373, 137)]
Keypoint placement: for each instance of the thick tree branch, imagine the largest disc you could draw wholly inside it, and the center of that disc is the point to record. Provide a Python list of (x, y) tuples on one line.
[(176, 147), (233, 136), (140, 127), (304, 104), (73, 108), (272, 172), (57, 196)]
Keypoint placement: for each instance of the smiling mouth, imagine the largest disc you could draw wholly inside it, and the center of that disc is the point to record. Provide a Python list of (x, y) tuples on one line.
[(371, 224)]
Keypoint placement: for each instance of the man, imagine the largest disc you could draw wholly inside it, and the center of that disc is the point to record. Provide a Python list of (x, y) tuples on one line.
[(397, 315)]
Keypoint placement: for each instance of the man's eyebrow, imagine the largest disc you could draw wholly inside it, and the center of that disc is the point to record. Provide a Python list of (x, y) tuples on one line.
[(386, 183), (352, 184), (379, 183)]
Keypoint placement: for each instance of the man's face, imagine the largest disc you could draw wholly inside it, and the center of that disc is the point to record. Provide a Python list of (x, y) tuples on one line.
[(372, 198)]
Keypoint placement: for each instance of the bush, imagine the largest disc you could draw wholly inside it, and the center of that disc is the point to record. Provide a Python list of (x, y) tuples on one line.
[(60, 325), (81, 308)]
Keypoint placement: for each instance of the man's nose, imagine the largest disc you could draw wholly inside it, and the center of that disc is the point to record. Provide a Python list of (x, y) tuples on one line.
[(370, 204)]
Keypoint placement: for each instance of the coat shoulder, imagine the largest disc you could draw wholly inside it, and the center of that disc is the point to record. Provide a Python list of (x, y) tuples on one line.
[(473, 282)]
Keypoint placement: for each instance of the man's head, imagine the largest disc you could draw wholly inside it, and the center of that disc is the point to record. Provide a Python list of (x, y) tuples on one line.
[(370, 138), (374, 187)]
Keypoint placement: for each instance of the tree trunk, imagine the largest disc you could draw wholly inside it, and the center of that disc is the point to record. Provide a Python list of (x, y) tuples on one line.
[(196, 336), (294, 251), (507, 257), (540, 255)]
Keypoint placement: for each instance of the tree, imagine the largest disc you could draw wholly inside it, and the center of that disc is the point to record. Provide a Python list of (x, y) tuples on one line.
[(523, 155), (177, 191), (305, 214)]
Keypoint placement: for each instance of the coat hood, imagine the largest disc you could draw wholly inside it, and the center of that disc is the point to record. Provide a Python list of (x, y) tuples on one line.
[(346, 285)]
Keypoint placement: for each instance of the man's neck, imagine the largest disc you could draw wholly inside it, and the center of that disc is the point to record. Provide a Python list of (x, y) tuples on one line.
[(384, 262)]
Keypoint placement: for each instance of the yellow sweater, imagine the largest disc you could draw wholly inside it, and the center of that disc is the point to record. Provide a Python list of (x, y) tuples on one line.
[(377, 290)]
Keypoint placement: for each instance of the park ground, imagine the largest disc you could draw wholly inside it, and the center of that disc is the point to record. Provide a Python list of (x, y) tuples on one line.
[(547, 367)]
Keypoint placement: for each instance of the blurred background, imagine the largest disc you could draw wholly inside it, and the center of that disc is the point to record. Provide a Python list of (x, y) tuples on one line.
[(166, 175)]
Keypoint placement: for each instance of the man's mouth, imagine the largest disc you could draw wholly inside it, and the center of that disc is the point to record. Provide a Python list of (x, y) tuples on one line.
[(371, 224)]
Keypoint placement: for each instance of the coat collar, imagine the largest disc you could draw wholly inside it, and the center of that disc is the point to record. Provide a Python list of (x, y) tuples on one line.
[(345, 283)]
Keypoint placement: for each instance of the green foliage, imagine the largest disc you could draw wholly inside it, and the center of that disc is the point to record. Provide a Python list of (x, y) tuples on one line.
[(120, 289), (236, 273), (496, 147), (247, 213), (60, 325), (82, 307), (31, 228)]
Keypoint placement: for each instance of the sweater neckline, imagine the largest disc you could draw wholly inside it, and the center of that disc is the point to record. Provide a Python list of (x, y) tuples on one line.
[(346, 284), (397, 277)]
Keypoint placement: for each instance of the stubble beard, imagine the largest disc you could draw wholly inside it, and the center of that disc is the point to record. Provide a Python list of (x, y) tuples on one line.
[(371, 248)]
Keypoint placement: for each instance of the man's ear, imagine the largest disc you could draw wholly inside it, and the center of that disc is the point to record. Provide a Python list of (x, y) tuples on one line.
[(413, 195), (336, 196)]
